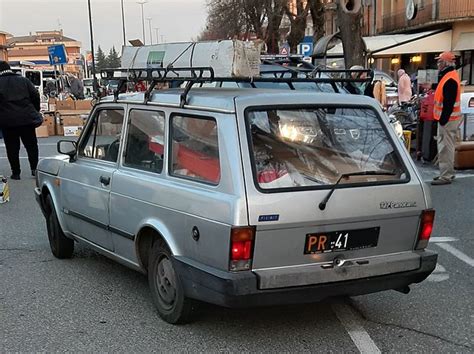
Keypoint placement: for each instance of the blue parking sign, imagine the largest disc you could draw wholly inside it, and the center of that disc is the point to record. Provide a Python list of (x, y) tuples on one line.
[(57, 54), (305, 49)]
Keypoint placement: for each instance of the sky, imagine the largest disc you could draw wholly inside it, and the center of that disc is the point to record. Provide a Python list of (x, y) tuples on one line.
[(176, 20)]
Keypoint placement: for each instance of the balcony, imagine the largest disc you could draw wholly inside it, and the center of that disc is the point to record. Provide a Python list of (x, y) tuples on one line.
[(439, 11)]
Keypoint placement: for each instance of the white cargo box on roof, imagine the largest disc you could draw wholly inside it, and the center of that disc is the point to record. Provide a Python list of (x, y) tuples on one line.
[(228, 58)]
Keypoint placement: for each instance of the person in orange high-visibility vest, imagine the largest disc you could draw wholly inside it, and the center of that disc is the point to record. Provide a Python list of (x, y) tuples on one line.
[(447, 111)]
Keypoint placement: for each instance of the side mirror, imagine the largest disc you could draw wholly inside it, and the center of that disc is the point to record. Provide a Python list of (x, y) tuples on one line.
[(67, 147)]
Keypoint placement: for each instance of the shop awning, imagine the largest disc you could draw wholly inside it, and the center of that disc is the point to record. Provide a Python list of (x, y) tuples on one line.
[(394, 44), (465, 42)]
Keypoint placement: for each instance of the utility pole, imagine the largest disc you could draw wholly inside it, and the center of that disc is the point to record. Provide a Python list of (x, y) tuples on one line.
[(123, 25), (94, 78), (141, 3), (149, 19)]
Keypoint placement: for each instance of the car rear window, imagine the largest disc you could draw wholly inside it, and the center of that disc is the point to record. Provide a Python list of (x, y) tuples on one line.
[(313, 147)]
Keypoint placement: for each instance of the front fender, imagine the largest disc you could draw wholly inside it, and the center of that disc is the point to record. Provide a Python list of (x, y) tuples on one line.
[(51, 166)]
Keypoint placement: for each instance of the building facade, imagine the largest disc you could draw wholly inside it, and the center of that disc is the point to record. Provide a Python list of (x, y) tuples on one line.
[(3, 46), (409, 34), (412, 16), (34, 48)]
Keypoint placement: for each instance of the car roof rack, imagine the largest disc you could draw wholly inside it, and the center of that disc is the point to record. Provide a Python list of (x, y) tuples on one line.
[(194, 75)]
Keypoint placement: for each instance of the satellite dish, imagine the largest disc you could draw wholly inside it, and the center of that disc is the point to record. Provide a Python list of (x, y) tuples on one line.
[(410, 9)]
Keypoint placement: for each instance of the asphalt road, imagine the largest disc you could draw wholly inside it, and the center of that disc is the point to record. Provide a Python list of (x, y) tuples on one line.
[(89, 303)]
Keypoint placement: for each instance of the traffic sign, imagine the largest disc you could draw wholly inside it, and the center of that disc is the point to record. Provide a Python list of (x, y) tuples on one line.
[(305, 49), (285, 49), (57, 54)]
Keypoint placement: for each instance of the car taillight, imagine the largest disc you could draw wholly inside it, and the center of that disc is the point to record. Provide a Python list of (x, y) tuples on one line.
[(241, 248), (426, 227)]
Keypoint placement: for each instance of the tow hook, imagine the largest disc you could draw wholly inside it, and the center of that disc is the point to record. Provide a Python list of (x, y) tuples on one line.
[(339, 262), (403, 290)]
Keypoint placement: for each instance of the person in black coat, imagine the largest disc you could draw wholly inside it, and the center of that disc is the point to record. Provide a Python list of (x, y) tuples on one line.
[(19, 116)]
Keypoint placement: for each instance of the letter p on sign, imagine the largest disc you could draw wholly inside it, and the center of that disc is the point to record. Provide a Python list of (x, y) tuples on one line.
[(305, 49)]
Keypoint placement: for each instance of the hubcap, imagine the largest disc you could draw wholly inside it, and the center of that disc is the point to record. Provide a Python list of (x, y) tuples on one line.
[(166, 282)]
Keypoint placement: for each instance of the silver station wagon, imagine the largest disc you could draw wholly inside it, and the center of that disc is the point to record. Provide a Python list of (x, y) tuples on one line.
[(242, 197)]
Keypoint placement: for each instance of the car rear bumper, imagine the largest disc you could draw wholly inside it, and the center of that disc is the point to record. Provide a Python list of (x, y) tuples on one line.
[(241, 289)]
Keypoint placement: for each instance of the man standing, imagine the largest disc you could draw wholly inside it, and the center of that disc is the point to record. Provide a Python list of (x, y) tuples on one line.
[(404, 86), (19, 114), (447, 111)]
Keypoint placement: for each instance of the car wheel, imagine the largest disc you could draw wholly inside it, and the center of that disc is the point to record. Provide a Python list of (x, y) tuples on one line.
[(166, 288), (61, 246)]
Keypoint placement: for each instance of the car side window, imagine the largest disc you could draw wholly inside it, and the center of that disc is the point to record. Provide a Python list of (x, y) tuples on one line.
[(195, 148), (144, 148), (102, 139)]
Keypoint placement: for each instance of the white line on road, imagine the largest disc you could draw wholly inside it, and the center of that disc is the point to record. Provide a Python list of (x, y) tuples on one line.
[(45, 144), (442, 239), (351, 323), (458, 176), (439, 274), (21, 157), (455, 252)]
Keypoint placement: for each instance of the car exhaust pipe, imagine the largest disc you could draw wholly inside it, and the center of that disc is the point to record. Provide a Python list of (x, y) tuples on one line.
[(403, 290)]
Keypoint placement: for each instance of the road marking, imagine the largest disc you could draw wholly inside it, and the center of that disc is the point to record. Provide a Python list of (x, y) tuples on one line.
[(21, 157), (443, 239), (45, 144), (439, 274), (457, 253), (458, 176), (351, 323)]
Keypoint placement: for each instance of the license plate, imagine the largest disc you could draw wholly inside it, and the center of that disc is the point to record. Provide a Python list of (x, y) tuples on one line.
[(341, 240)]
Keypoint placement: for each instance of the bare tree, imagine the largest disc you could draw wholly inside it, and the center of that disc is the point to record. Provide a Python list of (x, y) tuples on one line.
[(224, 20), (274, 11), (244, 19), (317, 16), (349, 21), (298, 21)]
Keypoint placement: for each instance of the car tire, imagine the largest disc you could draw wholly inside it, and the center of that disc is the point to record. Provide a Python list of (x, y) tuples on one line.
[(166, 287), (61, 246)]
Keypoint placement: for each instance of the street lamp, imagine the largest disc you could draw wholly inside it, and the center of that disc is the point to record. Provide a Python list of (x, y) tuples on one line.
[(149, 19), (141, 3), (123, 24), (94, 78)]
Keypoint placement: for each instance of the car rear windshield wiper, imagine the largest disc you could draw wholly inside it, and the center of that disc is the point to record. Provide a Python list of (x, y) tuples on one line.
[(323, 203)]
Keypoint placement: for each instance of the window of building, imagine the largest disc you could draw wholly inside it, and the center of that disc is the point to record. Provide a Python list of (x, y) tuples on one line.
[(194, 148), (144, 147), (467, 73)]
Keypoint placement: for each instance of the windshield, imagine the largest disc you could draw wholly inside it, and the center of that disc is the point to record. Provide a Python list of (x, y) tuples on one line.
[(309, 147)]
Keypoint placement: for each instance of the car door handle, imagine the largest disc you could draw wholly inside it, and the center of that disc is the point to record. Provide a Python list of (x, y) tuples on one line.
[(104, 180)]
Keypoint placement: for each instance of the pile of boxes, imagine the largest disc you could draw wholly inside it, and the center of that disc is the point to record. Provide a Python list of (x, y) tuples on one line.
[(64, 118)]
